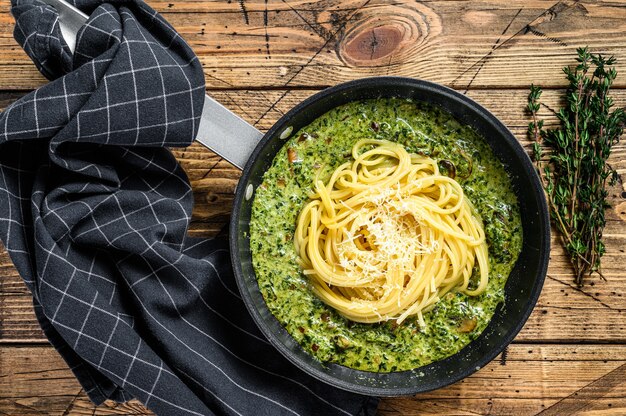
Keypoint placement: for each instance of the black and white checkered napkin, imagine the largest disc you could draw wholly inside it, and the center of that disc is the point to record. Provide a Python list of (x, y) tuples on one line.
[(94, 212)]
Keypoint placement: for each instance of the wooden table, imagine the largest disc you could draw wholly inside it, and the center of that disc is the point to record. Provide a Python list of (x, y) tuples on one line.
[(262, 57)]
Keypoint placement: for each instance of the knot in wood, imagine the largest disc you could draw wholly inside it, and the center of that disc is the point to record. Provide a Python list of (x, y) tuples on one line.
[(385, 33), (373, 44)]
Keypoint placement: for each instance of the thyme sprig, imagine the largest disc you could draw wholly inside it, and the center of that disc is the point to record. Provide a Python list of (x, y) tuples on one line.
[(574, 171)]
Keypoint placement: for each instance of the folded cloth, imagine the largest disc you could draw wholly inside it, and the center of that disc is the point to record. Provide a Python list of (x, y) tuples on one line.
[(94, 212)]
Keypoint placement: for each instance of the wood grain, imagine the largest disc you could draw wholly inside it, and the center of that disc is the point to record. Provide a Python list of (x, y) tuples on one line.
[(263, 57), (296, 43), (530, 379)]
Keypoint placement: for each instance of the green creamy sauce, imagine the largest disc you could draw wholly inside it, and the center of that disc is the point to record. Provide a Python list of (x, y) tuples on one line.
[(320, 148)]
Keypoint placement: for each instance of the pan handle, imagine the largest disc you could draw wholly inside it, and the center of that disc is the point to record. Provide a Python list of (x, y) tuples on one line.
[(221, 130)]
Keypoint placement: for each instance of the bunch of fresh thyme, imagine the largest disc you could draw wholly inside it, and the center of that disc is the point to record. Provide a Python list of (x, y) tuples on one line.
[(575, 172)]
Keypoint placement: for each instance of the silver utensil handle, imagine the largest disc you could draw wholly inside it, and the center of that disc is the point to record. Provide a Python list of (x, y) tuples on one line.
[(71, 20), (226, 134), (220, 130)]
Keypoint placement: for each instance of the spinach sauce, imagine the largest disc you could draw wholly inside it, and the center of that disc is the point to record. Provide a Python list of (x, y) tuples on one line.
[(319, 149)]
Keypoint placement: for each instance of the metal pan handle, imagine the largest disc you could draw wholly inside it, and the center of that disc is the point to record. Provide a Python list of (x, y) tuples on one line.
[(220, 130), (227, 134)]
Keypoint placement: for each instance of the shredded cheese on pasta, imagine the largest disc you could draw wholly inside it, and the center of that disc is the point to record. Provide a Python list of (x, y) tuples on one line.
[(389, 235)]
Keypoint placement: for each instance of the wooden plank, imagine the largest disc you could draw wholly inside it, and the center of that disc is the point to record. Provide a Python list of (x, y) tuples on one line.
[(36, 381), (564, 313), (530, 379), (305, 43)]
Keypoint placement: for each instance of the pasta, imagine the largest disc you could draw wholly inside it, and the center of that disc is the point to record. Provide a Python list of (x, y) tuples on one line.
[(389, 235)]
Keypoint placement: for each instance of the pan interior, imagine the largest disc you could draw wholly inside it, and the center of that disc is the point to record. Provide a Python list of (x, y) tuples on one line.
[(524, 282)]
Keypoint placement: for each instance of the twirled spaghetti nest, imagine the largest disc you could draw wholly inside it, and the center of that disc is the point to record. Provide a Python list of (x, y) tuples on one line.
[(389, 235)]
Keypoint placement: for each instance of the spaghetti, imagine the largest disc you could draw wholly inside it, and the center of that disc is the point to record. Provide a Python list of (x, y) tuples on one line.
[(389, 235)]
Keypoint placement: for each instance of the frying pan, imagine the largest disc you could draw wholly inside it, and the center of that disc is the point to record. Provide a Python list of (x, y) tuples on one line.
[(244, 146)]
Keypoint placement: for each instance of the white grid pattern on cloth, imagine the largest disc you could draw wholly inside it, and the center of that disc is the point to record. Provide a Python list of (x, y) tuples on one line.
[(95, 219)]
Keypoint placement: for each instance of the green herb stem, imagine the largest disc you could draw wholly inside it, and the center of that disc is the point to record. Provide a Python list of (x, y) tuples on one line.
[(575, 171)]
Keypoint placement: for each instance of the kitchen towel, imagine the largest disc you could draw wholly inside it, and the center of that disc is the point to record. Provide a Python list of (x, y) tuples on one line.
[(94, 212)]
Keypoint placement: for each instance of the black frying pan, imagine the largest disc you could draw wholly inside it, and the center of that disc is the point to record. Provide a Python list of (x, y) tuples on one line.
[(522, 288)]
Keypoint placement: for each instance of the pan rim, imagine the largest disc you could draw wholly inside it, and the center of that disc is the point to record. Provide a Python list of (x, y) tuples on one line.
[(532, 178)]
